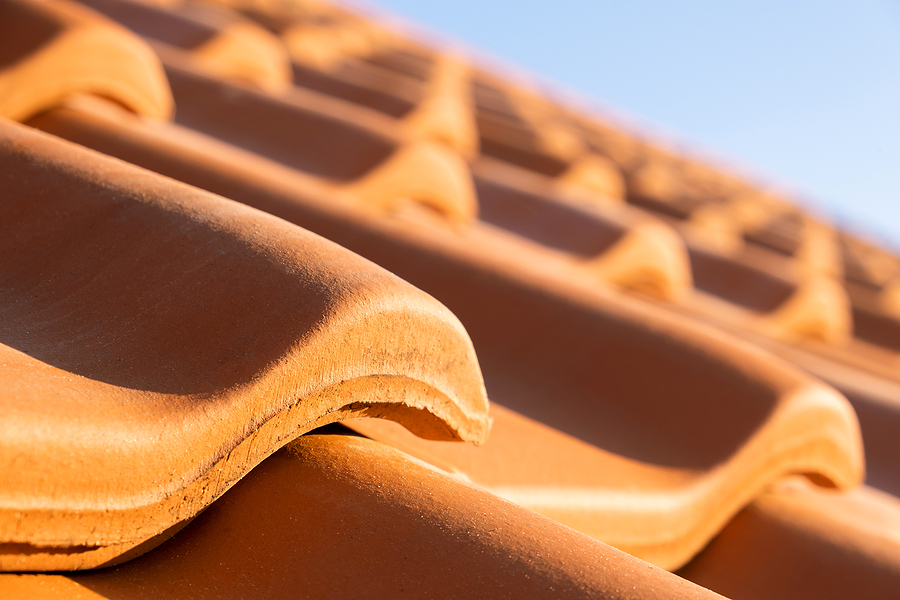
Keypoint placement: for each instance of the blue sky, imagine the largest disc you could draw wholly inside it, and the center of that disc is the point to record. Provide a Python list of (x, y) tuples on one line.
[(805, 95)]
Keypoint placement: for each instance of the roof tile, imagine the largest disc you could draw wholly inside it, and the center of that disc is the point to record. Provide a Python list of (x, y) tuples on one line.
[(797, 542), (220, 40), (200, 324), (344, 514), (53, 48)]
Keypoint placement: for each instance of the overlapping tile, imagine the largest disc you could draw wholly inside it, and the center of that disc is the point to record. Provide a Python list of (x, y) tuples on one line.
[(343, 514), (218, 39), (632, 497), (152, 324), (629, 250), (524, 134), (795, 542), (53, 48)]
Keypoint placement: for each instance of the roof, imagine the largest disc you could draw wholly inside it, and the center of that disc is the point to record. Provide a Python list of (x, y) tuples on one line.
[(229, 225)]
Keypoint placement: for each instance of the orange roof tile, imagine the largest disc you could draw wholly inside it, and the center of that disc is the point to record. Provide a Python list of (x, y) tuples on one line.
[(207, 335), (216, 38), (795, 542), (52, 48), (330, 515)]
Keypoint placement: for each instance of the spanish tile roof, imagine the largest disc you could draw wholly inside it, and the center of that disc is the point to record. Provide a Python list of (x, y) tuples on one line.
[(679, 363)]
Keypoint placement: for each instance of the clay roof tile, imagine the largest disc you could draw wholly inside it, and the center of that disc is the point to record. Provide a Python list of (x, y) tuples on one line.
[(53, 48), (330, 515), (796, 542), (153, 324)]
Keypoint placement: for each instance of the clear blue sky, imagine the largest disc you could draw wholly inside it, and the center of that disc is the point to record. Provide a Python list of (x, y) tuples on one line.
[(804, 94)]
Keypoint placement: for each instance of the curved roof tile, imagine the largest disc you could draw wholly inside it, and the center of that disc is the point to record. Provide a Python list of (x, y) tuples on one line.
[(335, 516), (149, 323), (53, 48)]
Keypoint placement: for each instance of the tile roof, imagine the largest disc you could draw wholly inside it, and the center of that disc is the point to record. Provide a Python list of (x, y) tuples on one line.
[(634, 314)]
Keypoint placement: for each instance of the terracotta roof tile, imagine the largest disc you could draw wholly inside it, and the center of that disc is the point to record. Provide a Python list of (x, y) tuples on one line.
[(619, 245), (354, 82), (446, 112), (344, 514), (289, 332), (217, 38), (597, 176), (642, 503), (52, 48), (796, 542)]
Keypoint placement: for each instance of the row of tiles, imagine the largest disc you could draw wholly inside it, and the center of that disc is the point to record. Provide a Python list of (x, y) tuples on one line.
[(799, 297), (561, 353), (756, 252), (528, 213), (441, 113), (343, 513)]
